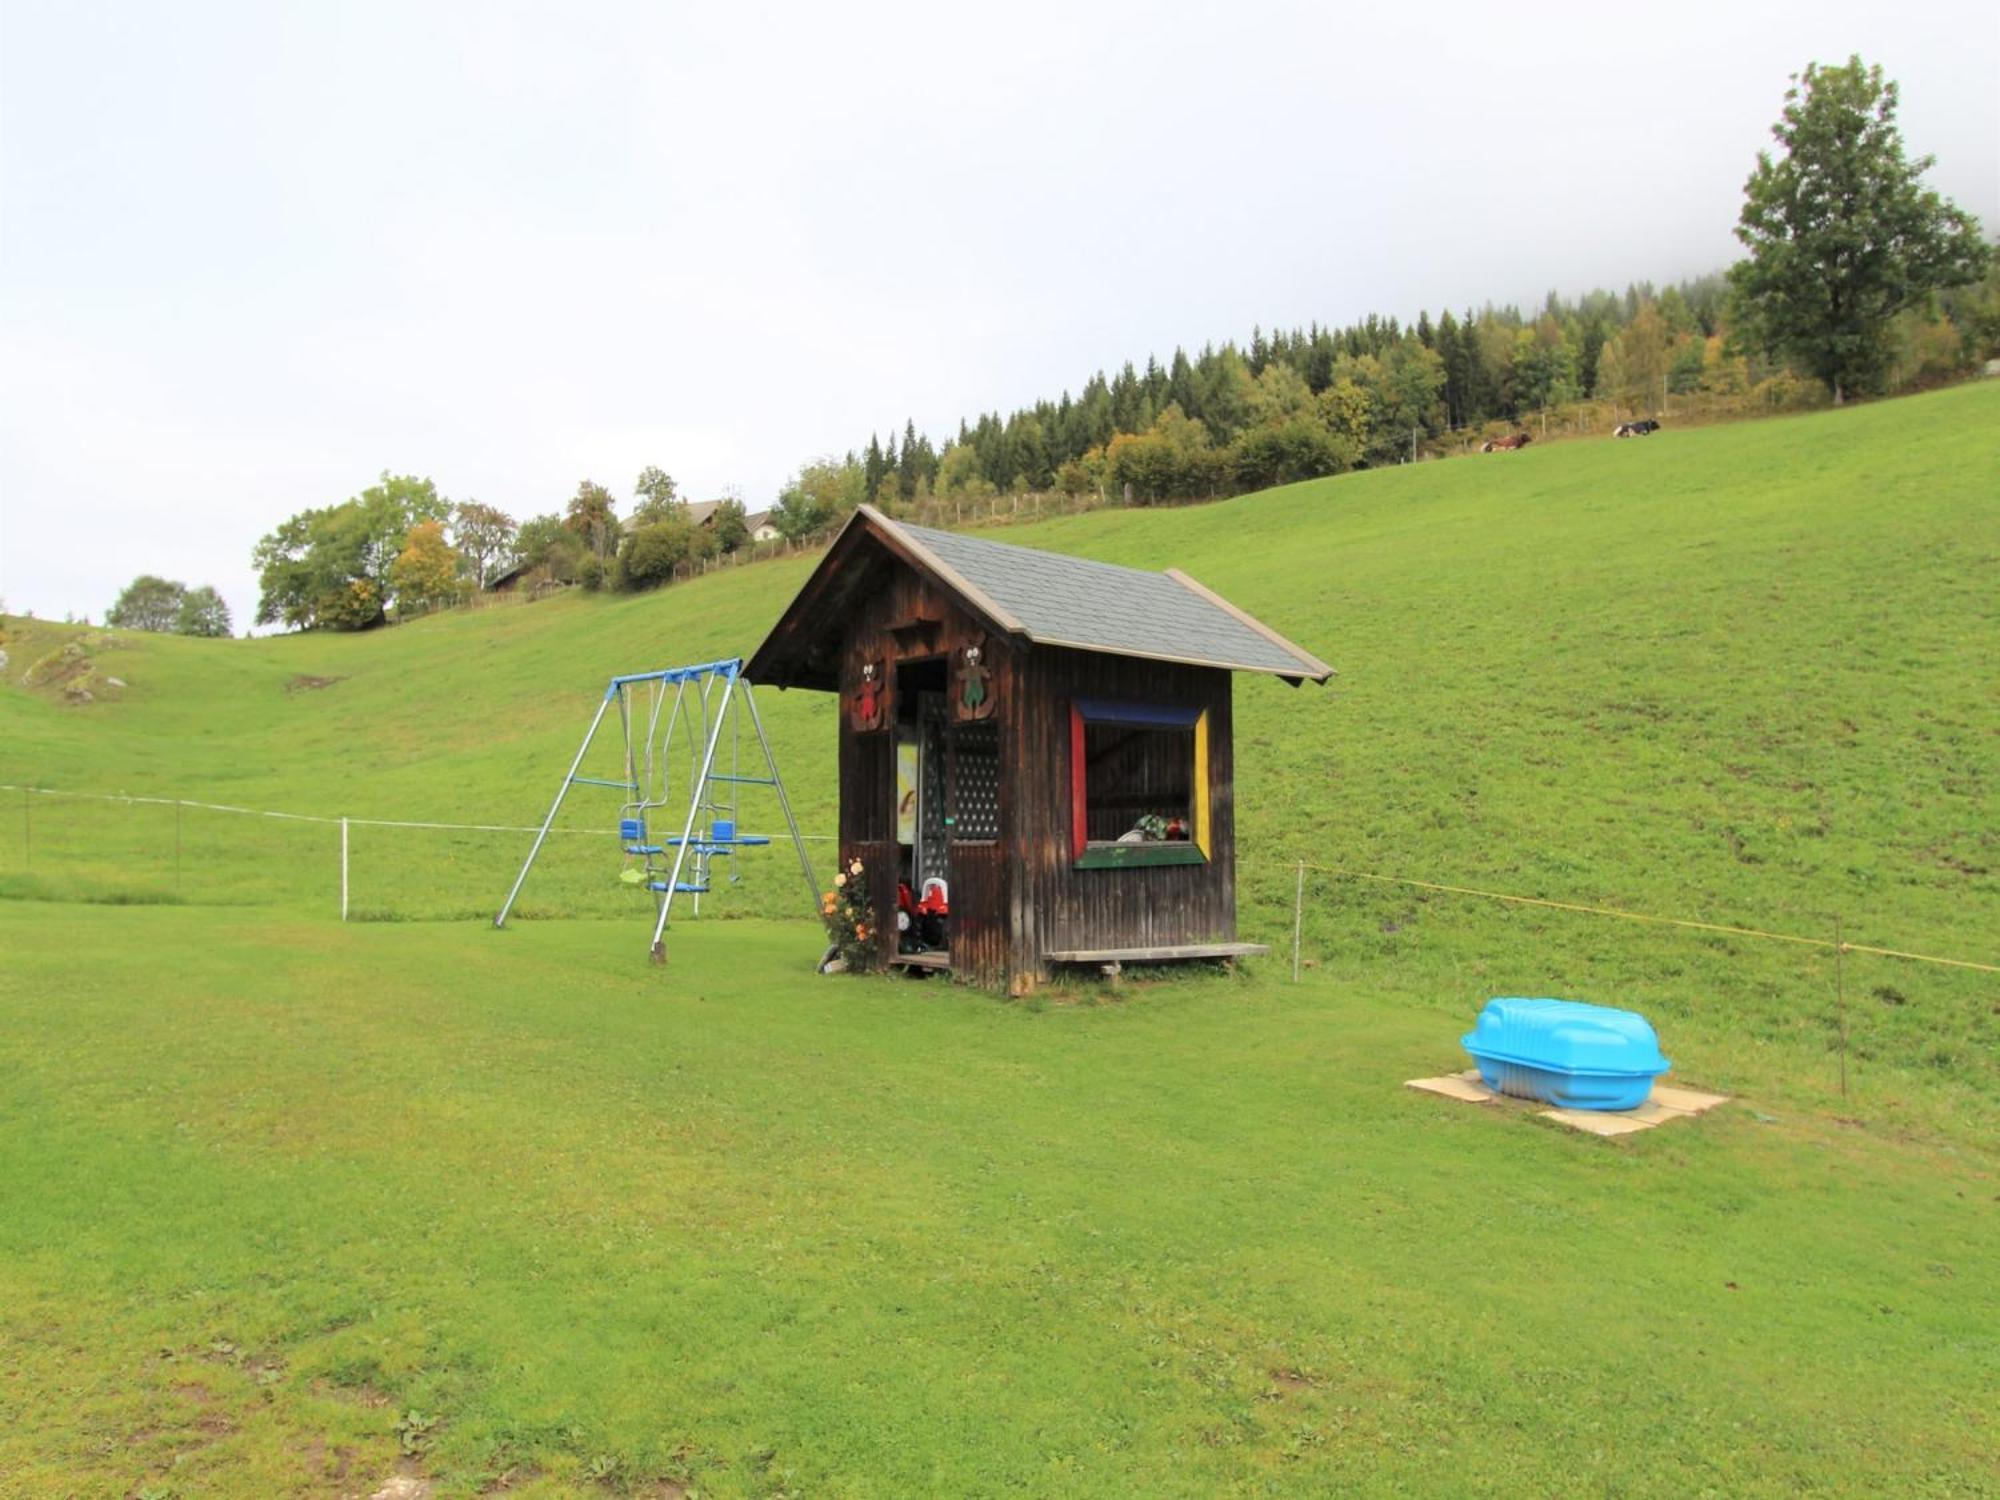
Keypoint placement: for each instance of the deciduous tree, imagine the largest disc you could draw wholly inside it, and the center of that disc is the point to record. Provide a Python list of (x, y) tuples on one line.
[(426, 570), (203, 612), (593, 516), (484, 537), (730, 526), (148, 602), (652, 551), (1842, 232), (656, 495), (821, 493), (330, 567)]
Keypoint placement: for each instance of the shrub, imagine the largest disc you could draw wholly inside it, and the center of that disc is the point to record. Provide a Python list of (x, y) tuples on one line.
[(652, 552)]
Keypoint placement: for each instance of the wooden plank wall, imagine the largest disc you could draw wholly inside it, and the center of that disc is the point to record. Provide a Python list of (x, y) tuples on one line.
[(889, 628), (1052, 905)]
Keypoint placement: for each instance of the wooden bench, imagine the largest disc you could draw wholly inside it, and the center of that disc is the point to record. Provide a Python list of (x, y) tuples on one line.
[(1113, 960)]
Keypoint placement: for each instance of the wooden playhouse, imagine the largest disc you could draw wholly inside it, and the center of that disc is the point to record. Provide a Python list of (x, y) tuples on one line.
[(1035, 755)]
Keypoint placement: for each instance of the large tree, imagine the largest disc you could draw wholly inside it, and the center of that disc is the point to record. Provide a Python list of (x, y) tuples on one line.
[(593, 515), (821, 493), (1842, 232), (544, 542), (202, 612), (656, 493), (148, 603), (425, 572), (330, 567), (484, 537)]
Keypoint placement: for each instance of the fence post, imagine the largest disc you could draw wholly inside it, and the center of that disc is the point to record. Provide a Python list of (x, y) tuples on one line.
[(1298, 911), (1840, 1001), (343, 869)]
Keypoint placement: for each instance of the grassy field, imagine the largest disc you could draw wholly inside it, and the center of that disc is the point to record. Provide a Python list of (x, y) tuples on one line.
[(284, 1197), (274, 1186)]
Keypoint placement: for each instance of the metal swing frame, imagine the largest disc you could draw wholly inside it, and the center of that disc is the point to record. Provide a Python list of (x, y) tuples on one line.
[(695, 704)]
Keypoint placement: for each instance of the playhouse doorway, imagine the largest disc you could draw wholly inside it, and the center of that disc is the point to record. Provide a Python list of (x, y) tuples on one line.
[(923, 813)]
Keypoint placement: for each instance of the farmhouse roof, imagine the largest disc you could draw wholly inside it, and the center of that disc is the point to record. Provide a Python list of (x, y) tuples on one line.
[(1045, 598), (513, 571)]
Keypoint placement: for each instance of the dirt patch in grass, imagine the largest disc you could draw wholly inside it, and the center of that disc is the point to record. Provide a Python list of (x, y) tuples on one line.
[(361, 1394), (305, 682), (510, 1479), (1289, 1382)]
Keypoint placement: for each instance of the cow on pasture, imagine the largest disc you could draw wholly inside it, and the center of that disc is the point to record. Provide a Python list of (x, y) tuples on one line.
[(1637, 429), (1506, 444)]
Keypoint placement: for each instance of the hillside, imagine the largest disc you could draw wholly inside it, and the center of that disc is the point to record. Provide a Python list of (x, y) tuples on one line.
[(1742, 674), (1770, 628)]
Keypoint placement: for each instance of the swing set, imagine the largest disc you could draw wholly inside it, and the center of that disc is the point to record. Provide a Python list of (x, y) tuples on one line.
[(672, 719)]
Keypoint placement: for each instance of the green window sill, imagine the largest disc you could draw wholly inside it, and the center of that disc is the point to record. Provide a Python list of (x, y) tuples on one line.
[(1127, 856)]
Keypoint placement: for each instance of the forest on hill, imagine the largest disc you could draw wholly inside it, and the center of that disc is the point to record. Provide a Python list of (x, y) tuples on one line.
[(1302, 403)]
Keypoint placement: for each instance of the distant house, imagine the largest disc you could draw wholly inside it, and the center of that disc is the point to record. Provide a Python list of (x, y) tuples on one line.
[(703, 513), (510, 580)]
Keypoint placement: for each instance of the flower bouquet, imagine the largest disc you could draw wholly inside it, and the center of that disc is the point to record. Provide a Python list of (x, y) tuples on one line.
[(850, 920)]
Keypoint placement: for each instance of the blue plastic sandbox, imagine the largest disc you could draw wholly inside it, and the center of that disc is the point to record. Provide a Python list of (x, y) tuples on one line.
[(1566, 1053)]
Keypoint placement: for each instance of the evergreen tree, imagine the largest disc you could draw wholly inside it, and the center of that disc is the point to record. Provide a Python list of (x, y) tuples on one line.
[(1590, 347), (909, 471), (873, 468), (1180, 388)]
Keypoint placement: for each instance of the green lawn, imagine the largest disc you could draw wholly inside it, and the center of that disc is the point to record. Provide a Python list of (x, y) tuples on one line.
[(271, 1184)]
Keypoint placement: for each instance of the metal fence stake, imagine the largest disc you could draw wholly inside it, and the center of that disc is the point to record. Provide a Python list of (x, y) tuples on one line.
[(1840, 1001), (343, 869), (1298, 912)]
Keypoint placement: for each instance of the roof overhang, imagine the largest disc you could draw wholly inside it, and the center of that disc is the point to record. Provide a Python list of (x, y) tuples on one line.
[(803, 648)]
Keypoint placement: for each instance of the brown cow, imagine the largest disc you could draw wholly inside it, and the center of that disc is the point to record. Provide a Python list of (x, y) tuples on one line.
[(1506, 444)]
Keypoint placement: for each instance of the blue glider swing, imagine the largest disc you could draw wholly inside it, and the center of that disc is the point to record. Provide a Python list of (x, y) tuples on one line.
[(696, 705)]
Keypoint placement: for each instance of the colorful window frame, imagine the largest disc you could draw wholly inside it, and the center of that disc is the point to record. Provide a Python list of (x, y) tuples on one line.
[(1086, 855)]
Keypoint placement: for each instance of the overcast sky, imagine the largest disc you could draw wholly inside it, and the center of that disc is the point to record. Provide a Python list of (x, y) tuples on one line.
[(252, 255)]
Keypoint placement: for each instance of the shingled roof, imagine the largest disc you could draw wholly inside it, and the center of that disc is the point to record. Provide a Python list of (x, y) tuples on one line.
[(1049, 599)]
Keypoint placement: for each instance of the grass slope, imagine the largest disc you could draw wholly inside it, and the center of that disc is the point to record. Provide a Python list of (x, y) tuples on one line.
[(1743, 674), (273, 1184)]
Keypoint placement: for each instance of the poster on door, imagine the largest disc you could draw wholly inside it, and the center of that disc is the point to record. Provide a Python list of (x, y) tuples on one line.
[(908, 766)]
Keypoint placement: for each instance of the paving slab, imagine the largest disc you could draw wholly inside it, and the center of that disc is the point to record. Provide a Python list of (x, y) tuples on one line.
[(1687, 1101), (1466, 1087), (1666, 1103)]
